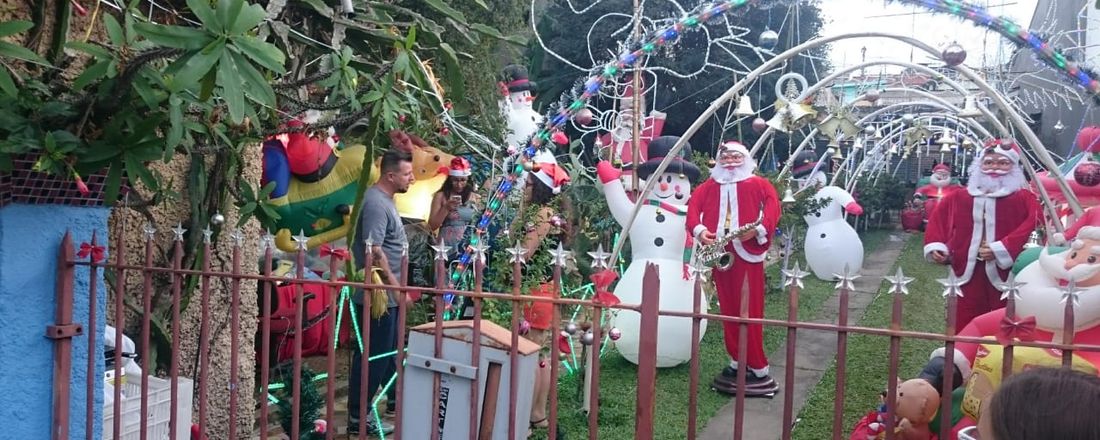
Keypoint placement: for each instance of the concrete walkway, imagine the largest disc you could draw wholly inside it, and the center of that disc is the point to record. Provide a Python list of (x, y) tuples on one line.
[(815, 352)]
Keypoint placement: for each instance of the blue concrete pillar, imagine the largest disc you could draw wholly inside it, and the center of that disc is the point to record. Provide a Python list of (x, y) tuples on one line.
[(30, 236)]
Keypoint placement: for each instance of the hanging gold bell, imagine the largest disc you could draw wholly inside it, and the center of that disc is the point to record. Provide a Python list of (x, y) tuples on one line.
[(788, 196), (744, 107)]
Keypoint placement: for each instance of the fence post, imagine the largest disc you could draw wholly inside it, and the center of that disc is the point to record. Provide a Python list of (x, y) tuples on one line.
[(647, 353), (62, 332)]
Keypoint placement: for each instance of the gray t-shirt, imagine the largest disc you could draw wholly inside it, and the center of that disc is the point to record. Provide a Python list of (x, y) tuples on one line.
[(379, 221)]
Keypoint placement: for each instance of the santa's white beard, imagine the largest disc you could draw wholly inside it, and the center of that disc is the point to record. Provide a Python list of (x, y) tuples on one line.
[(981, 182), (1041, 297), (937, 182), (741, 172)]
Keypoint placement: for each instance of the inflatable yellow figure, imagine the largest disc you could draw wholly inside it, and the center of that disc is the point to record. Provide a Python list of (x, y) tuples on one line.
[(316, 182)]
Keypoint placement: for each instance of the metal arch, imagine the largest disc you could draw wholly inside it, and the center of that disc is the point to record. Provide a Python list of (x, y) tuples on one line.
[(1016, 120)]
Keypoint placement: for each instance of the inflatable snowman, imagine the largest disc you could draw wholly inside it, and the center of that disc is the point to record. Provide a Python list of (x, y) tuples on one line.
[(522, 118), (831, 243), (657, 236)]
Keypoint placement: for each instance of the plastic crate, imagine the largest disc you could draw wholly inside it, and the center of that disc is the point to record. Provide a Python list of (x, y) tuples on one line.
[(160, 393)]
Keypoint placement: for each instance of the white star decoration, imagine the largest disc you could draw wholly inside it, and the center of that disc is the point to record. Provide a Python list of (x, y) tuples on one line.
[(899, 283), (794, 276), (268, 240), (178, 232), (149, 231), (441, 250), (301, 240), (700, 270), (237, 236), (1072, 293), (206, 234), (844, 281), (1011, 287), (561, 256), (599, 258), (952, 285), (480, 249), (518, 252)]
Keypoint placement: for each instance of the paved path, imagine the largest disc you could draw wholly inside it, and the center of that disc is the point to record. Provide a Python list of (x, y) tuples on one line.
[(814, 354)]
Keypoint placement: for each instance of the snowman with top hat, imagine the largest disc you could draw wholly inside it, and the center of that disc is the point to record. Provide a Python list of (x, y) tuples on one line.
[(657, 236), (523, 120)]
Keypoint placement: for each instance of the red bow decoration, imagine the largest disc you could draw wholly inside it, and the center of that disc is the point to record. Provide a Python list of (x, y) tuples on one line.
[(558, 175), (329, 251), (86, 249), (503, 88), (564, 347), (1022, 330), (602, 280)]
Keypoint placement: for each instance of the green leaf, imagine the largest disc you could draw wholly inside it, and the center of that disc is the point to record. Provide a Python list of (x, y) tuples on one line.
[(197, 65), (372, 96), (6, 83), (21, 53), (229, 78), (250, 17), (202, 10), (177, 37), (114, 30), (175, 122), (228, 11), (90, 49), (207, 84), (136, 169), (113, 183), (265, 192), (443, 8), (91, 74), (320, 7), (259, 88), (482, 4), (401, 64), (266, 54), (410, 40), (487, 30), (14, 27)]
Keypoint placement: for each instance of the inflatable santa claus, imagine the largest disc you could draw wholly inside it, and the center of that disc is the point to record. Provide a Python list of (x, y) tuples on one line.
[(940, 183), (1039, 315)]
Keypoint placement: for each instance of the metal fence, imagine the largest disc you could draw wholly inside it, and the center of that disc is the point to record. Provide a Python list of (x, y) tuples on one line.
[(92, 255)]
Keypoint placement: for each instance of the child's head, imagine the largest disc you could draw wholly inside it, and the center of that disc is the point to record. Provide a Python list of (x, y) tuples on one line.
[(1044, 403)]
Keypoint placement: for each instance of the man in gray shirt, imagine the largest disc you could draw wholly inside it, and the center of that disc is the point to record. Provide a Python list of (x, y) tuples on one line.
[(381, 225)]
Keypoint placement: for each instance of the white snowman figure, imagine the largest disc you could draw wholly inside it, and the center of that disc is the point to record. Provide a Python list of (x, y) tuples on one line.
[(523, 120), (657, 236), (831, 243)]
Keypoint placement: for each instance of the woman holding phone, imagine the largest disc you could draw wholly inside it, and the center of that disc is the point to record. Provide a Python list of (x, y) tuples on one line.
[(452, 211)]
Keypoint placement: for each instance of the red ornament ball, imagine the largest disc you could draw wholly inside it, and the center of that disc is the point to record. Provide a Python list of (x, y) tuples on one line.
[(559, 138), (583, 117), (1088, 139), (445, 131), (954, 55), (1087, 174)]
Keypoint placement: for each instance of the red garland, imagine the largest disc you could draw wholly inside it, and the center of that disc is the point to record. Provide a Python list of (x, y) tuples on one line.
[(86, 250), (602, 281), (340, 254), (1023, 330)]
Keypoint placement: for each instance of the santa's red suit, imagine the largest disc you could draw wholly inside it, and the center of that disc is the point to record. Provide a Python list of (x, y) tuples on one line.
[(1004, 219), (933, 193), (749, 196)]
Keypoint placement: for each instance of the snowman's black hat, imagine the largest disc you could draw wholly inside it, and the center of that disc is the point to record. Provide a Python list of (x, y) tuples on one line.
[(803, 163), (658, 149), (516, 79)]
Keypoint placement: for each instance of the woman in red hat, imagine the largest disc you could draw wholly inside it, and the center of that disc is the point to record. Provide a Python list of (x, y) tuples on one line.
[(452, 211)]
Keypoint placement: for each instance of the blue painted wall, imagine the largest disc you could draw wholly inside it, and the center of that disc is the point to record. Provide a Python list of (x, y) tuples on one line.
[(30, 236)]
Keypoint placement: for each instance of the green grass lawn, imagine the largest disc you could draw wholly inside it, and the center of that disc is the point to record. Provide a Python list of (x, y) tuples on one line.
[(867, 363), (618, 378)]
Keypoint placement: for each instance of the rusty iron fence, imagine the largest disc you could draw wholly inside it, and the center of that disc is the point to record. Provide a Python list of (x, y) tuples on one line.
[(93, 256)]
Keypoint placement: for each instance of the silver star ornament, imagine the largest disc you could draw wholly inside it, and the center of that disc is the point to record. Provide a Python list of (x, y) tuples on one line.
[(206, 234), (952, 285), (441, 250), (177, 232), (599, 258), (1010, 288), (561, 256), (149, 231), (480, 249), (301, 240), (268, 240), (518, 253), (794, 276), (1072, 293), (899, 283), (845, 280), (238, 237)]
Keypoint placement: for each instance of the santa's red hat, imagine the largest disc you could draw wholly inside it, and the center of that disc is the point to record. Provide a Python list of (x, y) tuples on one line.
[(549, 172), (1004, 147), (729, 146), (941, 167), (460, 167)]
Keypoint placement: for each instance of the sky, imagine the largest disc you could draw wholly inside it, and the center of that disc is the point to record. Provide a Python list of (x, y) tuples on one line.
[(938, 30)]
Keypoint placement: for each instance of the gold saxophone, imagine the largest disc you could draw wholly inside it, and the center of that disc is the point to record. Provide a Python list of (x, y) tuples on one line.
[(715, 255)]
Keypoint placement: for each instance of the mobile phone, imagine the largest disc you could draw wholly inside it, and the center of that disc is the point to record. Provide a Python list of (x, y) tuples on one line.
[(456, 199)]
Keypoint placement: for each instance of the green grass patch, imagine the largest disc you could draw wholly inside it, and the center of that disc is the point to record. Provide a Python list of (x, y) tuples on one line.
[(868, 356), (619, 378)]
